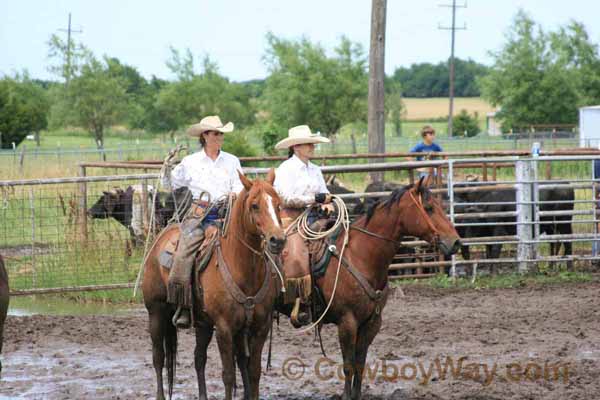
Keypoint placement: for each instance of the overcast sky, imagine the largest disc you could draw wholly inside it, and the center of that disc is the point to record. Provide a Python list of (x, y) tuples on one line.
[(232, 32)]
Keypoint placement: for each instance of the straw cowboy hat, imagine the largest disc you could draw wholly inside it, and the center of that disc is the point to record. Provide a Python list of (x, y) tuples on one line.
[(210, 123), (300, 135)]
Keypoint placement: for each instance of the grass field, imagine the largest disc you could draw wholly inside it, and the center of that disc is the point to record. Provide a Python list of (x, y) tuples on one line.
[(437, 107)]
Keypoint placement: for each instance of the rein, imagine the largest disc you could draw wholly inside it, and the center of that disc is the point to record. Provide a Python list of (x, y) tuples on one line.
[(375, 235), (258, 253)]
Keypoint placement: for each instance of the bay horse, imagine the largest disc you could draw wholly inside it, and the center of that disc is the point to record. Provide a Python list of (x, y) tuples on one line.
[(361, 291), (3, 303), (237, 297)]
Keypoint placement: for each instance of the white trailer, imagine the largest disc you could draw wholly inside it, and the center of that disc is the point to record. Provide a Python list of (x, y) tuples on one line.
[(589, 126)]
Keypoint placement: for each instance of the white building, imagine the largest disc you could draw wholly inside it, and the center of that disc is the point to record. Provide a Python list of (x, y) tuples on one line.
[(589, 126)]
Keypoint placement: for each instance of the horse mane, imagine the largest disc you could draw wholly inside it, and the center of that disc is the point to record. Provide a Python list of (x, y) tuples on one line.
[(393, 198)]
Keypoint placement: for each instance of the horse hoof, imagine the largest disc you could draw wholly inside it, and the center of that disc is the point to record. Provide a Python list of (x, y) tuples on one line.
[(301, 320), (183, 321)]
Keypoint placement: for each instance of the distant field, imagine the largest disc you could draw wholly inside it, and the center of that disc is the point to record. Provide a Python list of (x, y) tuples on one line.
[(437, 107)]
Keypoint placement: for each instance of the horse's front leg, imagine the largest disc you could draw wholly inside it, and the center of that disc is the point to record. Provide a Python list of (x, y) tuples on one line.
[(225, 342), (347, 331), (257, 342), (366, 334), (203, 337), (242, 362)]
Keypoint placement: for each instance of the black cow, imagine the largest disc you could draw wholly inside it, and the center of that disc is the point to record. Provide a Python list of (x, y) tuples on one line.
[(335, 186), (176, 202), (116, 204), (549, 225), (120, 205), (3, 302)]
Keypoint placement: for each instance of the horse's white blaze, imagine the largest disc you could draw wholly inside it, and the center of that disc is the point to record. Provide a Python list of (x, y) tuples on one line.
[(269, 201)]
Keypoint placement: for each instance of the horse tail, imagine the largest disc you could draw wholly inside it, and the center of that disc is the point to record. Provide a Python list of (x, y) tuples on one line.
[(170, 344)]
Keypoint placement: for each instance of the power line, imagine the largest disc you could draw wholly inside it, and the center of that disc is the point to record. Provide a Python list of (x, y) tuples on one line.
[(69, 46), (453, 29)]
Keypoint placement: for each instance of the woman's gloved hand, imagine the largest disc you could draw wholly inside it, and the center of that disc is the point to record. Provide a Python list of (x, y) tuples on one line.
[(323, 198)]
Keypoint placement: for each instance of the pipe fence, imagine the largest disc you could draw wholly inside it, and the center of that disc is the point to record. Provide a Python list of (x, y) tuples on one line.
[(52, 245)]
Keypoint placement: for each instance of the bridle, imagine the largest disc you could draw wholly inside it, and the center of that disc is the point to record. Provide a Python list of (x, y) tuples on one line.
[(419, 204)]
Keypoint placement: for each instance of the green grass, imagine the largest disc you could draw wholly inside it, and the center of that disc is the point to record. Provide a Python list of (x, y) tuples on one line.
[(59, 256), (504, 281)]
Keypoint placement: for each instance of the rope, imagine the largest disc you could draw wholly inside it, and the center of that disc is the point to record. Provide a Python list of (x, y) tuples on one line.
[(303, 230), (268, 255), (165, 173)]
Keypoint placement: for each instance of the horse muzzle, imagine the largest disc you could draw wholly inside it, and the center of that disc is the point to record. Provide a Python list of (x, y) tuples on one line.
[(449, 246), (275, 244)]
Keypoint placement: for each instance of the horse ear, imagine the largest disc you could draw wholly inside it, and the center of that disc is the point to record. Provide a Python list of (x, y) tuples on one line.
[(419, 185), (427, 181), (245, 181), (271, 176)]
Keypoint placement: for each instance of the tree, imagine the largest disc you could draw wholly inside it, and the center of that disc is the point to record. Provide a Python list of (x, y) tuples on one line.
[(195, 95), (394, 105), (576, 55), (23, 109), (465, 124), (97, 100), (431, 80), (540, 78), (308, 87), (137, 89), (71, 57), (96, 96)]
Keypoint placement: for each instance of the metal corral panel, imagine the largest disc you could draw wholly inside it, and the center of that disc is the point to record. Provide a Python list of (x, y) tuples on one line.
[(589, 126)]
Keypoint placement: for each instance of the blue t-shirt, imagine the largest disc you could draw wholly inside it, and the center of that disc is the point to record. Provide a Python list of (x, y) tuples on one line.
[(423, 148), (596, 169)]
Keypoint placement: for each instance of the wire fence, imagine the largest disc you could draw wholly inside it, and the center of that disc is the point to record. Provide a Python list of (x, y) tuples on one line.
[(52, 242), (15, 162), (49, 241)]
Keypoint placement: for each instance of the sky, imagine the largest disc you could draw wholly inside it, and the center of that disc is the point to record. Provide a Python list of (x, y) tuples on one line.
[(232, 32)]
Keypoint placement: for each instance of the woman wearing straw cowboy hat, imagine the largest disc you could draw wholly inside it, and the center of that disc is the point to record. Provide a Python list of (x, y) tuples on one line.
[(210, 172), (300, 184)]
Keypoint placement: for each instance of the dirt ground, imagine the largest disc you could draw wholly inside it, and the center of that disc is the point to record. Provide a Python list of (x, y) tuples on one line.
[(511, 342)]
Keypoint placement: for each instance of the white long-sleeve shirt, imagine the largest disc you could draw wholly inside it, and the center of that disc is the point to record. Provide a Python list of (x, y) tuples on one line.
[(297, 183), (201, 174)]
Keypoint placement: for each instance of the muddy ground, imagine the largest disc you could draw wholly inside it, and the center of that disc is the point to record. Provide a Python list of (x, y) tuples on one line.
[(512, 342)]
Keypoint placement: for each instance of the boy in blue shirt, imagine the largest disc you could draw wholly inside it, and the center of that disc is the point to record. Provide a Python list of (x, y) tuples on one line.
[(426, 146)]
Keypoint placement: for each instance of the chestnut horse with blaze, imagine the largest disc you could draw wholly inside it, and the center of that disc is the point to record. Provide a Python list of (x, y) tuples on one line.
[(238, 293), (362, 285)]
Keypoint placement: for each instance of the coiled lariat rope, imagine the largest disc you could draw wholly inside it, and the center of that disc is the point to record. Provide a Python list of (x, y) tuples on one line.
[(343, 220), (165, 173)]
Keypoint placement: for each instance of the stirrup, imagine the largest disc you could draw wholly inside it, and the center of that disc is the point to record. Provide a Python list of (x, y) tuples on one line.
[(299, 318)]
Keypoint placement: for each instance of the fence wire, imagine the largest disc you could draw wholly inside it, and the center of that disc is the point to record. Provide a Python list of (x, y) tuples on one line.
[(51, 244), (48, 241)]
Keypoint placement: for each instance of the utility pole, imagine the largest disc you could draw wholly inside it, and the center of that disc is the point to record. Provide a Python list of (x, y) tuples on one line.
[(453, 29), (376, 100), (69, 46)]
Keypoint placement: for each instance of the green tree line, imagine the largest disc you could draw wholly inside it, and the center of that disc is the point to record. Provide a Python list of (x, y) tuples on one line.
[(537, 77), (432, 80)]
